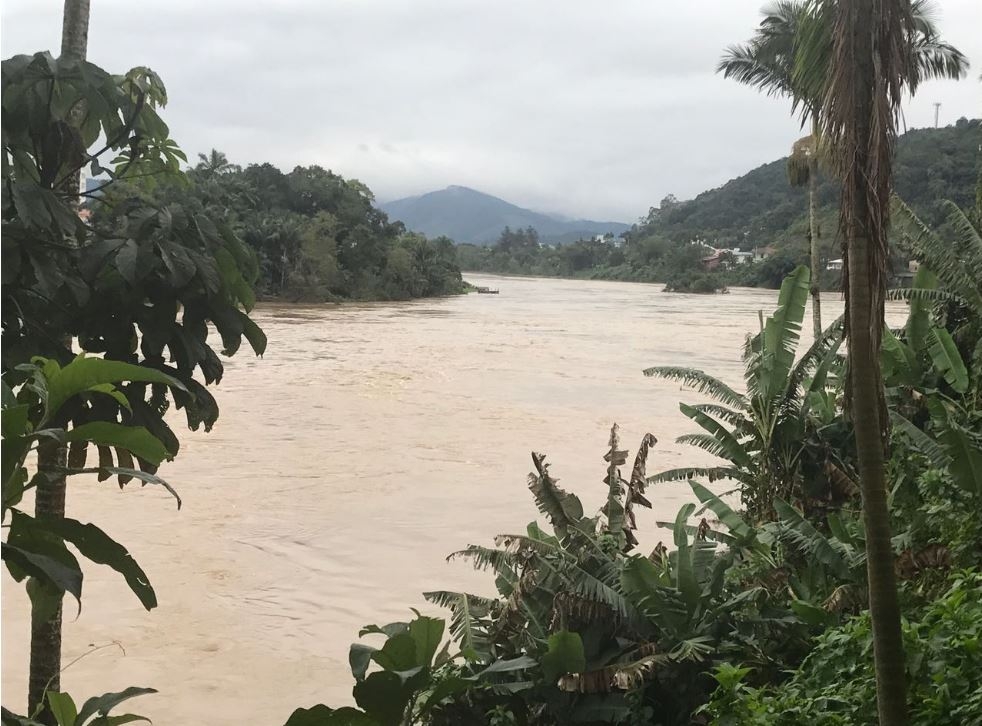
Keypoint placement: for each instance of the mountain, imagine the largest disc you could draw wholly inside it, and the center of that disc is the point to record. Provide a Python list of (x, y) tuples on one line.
[(467, 215), (760, 208)]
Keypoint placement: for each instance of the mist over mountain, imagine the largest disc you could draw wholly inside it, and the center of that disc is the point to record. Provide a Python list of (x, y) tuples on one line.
[(467, 215)]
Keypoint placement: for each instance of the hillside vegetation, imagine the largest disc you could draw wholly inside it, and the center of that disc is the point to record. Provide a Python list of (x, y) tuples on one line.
[(757, 210)]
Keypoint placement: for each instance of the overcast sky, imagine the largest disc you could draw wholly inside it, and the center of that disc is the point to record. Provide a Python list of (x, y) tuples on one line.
[(590, 109)]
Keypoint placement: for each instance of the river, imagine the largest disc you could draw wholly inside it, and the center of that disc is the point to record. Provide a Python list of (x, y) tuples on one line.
[(371, 441)]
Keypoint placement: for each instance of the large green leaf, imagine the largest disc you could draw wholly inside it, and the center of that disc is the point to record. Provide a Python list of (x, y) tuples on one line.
[(565, 655), (102, 705), (135, 439), (730, 518), (397, 654), (781, 333), (32, 549), (947, 360), (321, 715), (966, 457), (84, 374), (685, 576), (919, 318), (898, 361), (102, 549), (359, 658), (62, 708), (426, 634), (383, 696), (508, 665)]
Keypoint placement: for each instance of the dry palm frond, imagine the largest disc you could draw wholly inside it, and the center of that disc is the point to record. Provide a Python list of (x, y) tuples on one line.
[(843, 485), (635, 490), (846, 598), (562, 508), (801, 161), (909, 564)]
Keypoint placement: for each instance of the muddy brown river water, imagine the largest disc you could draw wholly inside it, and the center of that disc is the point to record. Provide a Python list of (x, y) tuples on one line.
[(371, 441)]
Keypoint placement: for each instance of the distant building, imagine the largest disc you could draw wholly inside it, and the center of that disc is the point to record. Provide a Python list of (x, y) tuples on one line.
[(834, 264), (762, 253)]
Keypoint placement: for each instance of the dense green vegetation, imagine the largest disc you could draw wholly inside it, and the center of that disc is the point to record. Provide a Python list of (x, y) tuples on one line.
[(760, 209), (853, 472), (317, 235), (755, 616), (137, 303)]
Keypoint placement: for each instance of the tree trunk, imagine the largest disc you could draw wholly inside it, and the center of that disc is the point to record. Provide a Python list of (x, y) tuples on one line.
[(74, 46), (49, 502), (813, 243), (865, 127), (75, 30), (45, 668), (867, 392)]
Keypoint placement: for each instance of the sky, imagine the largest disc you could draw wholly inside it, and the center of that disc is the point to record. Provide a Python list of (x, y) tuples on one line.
[(594, 109)]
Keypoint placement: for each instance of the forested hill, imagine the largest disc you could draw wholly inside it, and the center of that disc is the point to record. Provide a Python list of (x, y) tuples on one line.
[(469, 216), (317, 235), (761, 208)]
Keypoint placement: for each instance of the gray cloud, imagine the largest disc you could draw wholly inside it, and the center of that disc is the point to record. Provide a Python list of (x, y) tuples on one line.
[(592, 108)]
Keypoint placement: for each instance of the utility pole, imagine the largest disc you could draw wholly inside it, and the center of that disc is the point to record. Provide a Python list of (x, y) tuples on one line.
[(937, 108)]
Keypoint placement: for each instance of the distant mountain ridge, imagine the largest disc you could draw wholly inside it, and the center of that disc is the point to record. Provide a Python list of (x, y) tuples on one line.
[(468, 216)]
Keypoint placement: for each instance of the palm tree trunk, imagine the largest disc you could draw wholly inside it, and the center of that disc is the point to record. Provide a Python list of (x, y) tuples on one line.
[(867, 406), (49, 503), (815, 288), (862, 101)]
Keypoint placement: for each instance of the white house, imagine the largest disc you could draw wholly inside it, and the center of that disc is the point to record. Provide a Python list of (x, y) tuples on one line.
[(834, 264)]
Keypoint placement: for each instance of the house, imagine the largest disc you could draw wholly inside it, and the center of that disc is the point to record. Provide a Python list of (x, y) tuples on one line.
[(834, 264), (740, 257), (762, 253)]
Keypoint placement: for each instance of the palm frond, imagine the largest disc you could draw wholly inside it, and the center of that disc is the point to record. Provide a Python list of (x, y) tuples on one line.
[(734, 450), (706, 442), (808, 540), (701, 381), (485, 558), (466, 617), (737, 419), (817, 355), (922, 294), (920, 441), (710, 473), (954, 273)]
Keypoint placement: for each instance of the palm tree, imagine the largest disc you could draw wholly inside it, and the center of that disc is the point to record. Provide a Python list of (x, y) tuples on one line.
[(214, 163), (768, 62), (872, 61)]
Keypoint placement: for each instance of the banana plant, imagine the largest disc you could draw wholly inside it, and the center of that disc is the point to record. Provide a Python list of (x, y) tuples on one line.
[(767, 434)]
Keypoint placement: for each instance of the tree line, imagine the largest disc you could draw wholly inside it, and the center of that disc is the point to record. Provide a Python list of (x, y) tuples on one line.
[(317, 236)]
